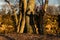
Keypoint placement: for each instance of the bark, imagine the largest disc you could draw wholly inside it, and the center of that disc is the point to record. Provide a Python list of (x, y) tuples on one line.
[(22, 25), (19, 23), (46, 5), (30, 8), (23, 13), (16, 17), (20, 16)]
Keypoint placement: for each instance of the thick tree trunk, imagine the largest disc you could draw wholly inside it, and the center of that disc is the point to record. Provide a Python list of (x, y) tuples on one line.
[(29, 28), (30, 8)]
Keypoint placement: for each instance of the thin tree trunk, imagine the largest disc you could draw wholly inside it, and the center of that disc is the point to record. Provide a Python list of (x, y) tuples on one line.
[(22, 25), (20, 16), (18, 27), (23, 21), (46, 5), (16, 17)]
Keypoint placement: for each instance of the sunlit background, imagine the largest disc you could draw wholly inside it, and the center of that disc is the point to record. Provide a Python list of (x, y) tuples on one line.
[(51, 2), (2, 2)]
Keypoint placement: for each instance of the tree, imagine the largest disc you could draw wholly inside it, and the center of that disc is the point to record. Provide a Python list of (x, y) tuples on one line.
[(24, 3), (30, 10)]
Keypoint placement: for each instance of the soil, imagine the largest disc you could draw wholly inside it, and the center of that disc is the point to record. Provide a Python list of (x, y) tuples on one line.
[(17, 36)]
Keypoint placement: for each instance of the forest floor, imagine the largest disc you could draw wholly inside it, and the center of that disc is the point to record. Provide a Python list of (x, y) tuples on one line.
[(17, 36)]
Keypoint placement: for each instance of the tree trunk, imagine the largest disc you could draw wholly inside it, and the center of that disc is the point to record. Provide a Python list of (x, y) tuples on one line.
[(46, 5), (30, 8), (20, 16), (23, 21), (16, 19)]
